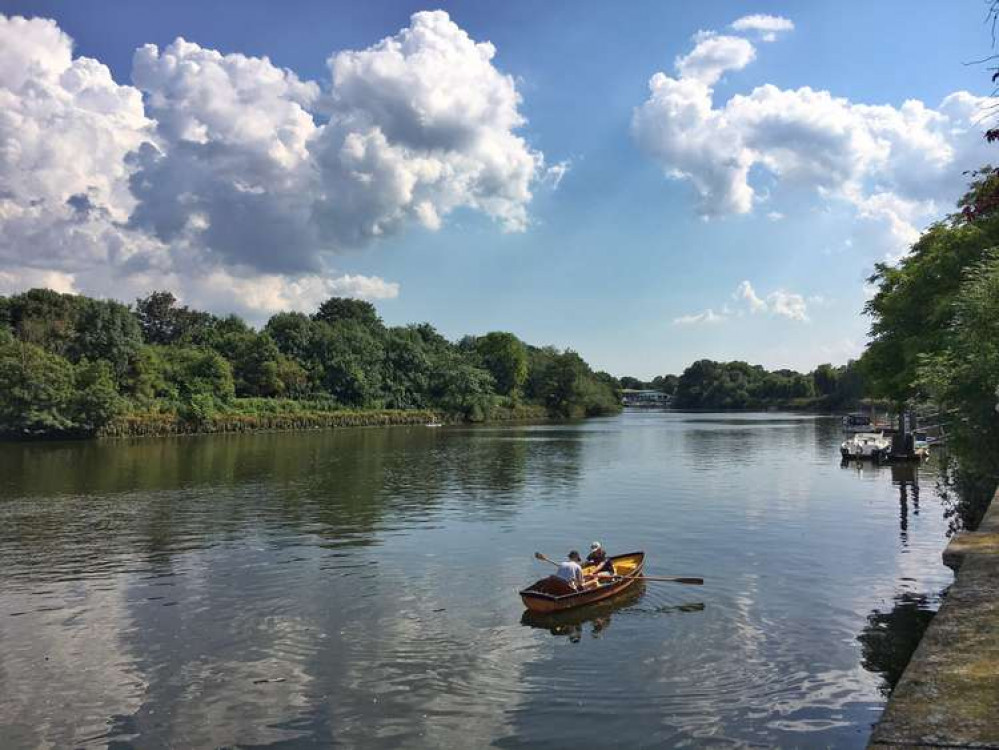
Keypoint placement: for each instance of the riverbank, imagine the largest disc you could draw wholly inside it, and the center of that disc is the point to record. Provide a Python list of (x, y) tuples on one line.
[(159, 424), (949, 694)]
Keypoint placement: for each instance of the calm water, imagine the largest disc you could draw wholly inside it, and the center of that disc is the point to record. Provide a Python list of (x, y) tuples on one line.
[(359, 588)]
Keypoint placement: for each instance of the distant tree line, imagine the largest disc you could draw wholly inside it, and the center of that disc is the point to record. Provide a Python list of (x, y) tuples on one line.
[(71, 364), (738, 385), (707, 384), (662, 383)]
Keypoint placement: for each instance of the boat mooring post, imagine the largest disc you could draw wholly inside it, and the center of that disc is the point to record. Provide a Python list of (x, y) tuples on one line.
[(903, 442)]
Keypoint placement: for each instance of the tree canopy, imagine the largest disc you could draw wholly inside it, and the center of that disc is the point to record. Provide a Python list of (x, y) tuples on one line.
[(914, 306), (70, 363)]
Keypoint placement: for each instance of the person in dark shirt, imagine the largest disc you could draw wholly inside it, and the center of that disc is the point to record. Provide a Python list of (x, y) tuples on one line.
[(598, 558)]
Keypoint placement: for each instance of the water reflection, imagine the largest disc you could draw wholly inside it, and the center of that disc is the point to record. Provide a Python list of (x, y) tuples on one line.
[(106, 502), (906, 478), (966, 494), (570, 623), (890, 638), (359, 587), (714, 440)]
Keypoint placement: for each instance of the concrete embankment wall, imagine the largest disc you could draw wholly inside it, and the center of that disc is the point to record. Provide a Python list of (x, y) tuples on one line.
[(948, 696)]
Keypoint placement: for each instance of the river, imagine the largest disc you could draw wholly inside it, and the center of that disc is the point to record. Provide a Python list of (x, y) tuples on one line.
[(358, 588)]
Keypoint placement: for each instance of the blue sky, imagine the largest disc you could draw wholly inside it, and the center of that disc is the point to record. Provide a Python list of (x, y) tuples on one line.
[(615, 259)]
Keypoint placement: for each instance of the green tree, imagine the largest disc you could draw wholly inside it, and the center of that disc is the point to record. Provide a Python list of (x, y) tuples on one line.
[(337, 309), (963, 377), (95, 401), (175, 374), (665, 383), (292, 332), (632, 384), (349, 358), (458, 386), (566, 388), (164, 322), (108, 331), (826, 379), (157, 316), (912, 311), (505, 357), (36, 390), (45, 318), (254, 358), (406, 369), (6, 323)]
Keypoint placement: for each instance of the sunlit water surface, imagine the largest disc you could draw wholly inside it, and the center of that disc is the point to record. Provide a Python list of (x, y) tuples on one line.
[(359, 588)]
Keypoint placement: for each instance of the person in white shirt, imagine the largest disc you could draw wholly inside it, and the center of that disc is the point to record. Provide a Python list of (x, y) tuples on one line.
[(571, 571)]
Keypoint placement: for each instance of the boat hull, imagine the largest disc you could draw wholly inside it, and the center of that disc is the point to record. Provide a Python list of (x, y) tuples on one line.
[(537, 600), (865, 447)]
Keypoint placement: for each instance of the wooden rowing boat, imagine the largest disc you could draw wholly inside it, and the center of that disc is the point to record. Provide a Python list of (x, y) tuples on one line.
[(553, 595)]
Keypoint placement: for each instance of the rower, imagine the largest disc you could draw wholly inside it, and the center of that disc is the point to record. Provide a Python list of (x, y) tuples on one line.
[(598, 558), (571, 571)]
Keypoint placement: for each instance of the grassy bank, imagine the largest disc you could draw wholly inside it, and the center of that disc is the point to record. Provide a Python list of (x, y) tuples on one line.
[(245, 415)]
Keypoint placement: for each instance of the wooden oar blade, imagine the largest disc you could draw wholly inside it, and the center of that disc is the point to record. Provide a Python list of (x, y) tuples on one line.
[(671, 579), (545, 559)]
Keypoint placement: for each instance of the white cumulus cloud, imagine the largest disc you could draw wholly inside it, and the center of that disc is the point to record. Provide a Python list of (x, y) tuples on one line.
[(66, 129), (713, 56), (422, 123), (237, 179), (779, 303), (709, 316), (745, 293), (768, 27), (556, 172), (787, 305), (896, 167)]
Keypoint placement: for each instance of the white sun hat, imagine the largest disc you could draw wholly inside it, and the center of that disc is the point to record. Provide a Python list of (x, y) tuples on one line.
[(595, 545)]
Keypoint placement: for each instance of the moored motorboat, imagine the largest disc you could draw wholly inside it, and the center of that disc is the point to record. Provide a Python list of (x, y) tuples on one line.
[(555, 595), (873, 446)]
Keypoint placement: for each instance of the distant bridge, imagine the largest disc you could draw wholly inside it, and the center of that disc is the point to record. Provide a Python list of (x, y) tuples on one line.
[(648, 399)]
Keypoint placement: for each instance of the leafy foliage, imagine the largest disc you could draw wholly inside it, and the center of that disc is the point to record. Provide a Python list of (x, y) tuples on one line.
[(935, 335), (36, 388), (164, 322), (505, 357), (337, 309), (72, 364), (95, 400), (914, 306), (963, 376), (43, 393), (567, 386), (707, 384), (75, 327)]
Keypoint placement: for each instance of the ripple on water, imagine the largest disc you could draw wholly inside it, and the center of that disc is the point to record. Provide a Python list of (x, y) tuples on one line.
[(360, 587)]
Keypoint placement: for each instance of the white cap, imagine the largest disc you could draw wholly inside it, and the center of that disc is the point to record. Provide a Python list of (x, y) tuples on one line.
[(595, 545)]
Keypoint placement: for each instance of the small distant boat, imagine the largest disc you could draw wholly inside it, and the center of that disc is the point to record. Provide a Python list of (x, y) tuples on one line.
[(434, 423), (861, 422), (857, 422), (555, 595), (871, 446)]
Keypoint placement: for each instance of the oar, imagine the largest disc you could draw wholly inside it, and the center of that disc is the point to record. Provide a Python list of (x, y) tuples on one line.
[(669, 579), (546, 559)]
